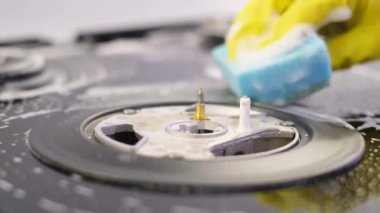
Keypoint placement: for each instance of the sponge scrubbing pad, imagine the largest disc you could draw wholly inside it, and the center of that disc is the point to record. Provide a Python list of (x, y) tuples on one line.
[(297, 72)]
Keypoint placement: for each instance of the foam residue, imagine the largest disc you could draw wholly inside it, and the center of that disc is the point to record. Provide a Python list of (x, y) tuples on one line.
[(353, 91), (63, 82), (17, 159), (29, 114), (19, 193), (5, 186), (368, 122), (249, 56), (160, 89), (56, 207), (84, 191), (52, 206), (248, 53), (111, 96), (37, 170), (337, 15)]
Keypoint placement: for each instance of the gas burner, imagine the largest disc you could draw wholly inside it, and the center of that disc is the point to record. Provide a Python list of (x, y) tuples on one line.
[(174, 146)]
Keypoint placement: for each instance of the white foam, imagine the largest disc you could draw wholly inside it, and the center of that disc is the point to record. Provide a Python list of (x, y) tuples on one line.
[(30, 114), (84, 191), (5, 186), (17, 159), (337, 15), (248, 56), (37, 170), (52, 206), (19, 193)]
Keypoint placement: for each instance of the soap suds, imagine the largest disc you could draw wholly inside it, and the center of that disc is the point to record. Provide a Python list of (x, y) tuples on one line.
[(63, 82), (52, 206), (249, 54), (249, 57), (5, 186), (234, 29), (29, 114), (84, 191), (337, 15)]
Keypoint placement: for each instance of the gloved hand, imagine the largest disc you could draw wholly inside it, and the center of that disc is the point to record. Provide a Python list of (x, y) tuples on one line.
[(261, 22)]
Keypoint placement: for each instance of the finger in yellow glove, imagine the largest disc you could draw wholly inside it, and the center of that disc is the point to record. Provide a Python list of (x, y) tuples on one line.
[(262, 22)]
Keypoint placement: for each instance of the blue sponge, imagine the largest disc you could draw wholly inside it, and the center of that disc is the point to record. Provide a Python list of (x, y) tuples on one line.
[(296, 73)]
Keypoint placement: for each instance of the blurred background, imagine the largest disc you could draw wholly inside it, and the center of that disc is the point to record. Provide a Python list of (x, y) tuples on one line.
[(61, 19)]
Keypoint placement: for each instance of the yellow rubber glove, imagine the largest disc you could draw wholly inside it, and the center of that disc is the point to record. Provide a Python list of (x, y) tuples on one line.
[(261, 22)]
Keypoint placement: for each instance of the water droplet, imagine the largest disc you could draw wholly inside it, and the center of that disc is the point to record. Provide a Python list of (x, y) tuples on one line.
[(19, 194), (37, 170), (371, 170), (63, 184), (342, 179), (76, 177), (17, 160), (360, 192)]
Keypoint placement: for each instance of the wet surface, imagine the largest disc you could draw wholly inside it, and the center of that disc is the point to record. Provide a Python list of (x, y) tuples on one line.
[(146, 76), (348, 192)]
